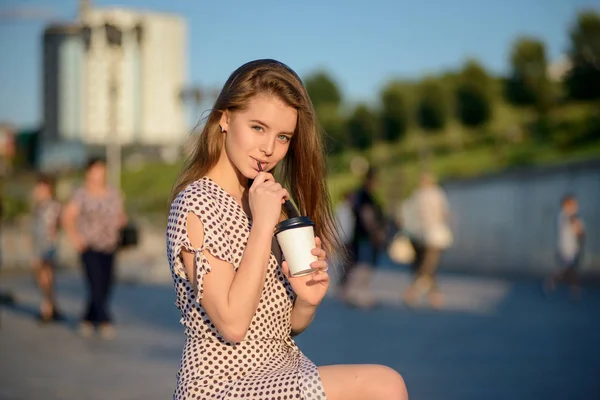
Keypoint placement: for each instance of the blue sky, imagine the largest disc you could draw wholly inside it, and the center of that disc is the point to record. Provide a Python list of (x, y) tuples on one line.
[(361, 43)]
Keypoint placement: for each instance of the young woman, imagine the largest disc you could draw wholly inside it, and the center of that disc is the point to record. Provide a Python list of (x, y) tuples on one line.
[(93, 219), (239, 305)]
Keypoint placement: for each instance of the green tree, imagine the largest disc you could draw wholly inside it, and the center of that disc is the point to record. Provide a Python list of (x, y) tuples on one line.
[(473, 95), (394, 112), (583, 80), (432, 109), (322, 89), (362, 127), (327, 98), (528, 84)]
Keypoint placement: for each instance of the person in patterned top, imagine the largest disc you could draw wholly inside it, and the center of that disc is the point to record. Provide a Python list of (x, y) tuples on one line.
[(93, 219), (44, 233), (239, 306)]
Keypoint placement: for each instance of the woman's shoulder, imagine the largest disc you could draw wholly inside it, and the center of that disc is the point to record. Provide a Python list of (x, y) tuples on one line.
[(198, 194)]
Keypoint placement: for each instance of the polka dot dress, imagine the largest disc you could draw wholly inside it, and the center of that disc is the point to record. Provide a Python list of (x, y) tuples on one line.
[(267, 364)]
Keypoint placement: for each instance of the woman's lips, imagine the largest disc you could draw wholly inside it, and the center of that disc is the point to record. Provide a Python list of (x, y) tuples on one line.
[(260, 165)]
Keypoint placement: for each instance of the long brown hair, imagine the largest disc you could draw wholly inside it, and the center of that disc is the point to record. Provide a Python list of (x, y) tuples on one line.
[(302, 171)]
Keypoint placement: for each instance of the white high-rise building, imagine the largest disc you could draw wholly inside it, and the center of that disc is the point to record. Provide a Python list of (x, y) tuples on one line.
[(116, 74)]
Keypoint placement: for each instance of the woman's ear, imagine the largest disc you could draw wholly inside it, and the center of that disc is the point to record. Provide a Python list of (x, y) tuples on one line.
[(224, 122)]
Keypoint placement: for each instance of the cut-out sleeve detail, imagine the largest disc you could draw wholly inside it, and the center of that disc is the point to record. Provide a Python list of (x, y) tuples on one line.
[(215, 241)]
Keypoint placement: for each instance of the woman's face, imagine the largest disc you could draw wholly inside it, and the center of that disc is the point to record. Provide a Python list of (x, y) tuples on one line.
[(571, 207), (96, 174), (42, 191), (260, 133)]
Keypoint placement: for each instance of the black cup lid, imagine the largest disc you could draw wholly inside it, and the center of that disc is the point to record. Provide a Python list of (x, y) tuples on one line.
[(290, 223)]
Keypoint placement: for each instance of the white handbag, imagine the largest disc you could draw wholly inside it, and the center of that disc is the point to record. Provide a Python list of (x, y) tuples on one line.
[(401, 250)]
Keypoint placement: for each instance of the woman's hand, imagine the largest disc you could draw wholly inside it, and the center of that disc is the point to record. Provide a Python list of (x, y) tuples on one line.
[(311, 289), (79, 243), (265, 198), (69, 218)]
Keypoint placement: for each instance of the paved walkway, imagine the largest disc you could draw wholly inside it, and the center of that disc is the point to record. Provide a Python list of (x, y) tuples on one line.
[(496, 340)]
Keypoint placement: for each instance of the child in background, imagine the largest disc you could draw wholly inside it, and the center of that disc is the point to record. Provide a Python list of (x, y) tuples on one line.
[(46, 214)]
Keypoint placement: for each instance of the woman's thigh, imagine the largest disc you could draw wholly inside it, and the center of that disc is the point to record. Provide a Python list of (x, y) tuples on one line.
[(362, 382)]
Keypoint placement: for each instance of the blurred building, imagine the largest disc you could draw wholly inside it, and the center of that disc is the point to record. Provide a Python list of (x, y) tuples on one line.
[(115, 74)]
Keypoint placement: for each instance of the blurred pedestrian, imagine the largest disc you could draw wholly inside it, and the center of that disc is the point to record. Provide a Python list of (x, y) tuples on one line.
[(367, 241), (45, 218), (426, 215), (93, 219), (570, 244)]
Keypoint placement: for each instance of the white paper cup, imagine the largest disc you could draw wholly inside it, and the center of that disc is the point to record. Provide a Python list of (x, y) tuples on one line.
[(296, 237)]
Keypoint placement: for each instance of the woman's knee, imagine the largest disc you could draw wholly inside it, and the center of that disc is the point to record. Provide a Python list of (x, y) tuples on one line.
[(362, 382)]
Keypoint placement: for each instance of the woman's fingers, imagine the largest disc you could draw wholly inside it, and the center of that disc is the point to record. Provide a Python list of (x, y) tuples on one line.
[(320, 265), (320, 277), (320, 253), (261, 178), (285, 267)]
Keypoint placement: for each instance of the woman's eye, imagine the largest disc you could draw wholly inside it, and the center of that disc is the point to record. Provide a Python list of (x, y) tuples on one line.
[(284, 138), (257, 128)]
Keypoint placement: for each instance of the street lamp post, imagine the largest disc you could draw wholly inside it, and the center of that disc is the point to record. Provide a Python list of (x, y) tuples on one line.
[(114, 39)]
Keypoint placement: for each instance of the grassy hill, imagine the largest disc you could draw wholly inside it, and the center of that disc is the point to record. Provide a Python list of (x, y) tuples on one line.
[(452, 153)]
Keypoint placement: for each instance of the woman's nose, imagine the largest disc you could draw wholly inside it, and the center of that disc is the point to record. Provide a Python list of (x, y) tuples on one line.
[(268, 146)]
